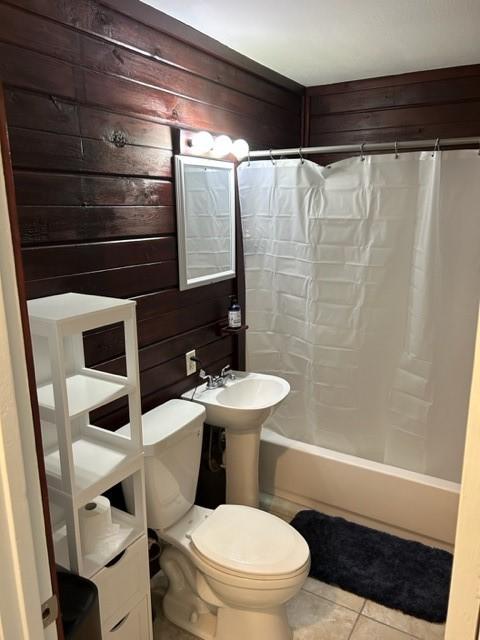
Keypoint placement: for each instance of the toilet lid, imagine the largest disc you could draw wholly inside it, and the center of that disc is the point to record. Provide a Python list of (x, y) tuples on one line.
[(247, 540)]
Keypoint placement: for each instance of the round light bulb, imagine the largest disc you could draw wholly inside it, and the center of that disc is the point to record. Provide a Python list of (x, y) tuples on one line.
[(240, 149), (222, 146), (202, 142)]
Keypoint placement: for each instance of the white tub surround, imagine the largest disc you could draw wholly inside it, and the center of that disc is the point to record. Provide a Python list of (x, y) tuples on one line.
[(405, 503)]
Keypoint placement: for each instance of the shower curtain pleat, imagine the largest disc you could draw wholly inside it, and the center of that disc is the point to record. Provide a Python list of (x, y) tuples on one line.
[(362, 291)]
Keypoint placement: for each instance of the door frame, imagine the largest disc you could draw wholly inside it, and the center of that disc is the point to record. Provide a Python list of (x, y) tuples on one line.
[(463, 619), (28, 548)]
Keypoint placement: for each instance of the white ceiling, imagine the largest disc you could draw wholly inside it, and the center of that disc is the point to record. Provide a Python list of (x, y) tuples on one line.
[(325, 41)]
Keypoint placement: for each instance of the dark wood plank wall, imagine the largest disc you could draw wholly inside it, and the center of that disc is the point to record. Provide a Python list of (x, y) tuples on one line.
[(444, 103), (93, 97)]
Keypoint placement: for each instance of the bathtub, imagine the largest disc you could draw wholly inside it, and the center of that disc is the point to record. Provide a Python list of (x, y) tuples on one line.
[(295, 475)]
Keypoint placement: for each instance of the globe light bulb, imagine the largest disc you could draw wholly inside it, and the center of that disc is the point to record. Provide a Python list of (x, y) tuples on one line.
[(222, 146), (202, 142), (240, 149)]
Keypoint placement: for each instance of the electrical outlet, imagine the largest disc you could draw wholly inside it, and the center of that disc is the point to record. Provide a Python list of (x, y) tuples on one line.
[(191, 365)]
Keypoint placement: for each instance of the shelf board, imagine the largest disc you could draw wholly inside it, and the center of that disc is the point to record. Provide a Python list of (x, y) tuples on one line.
[(225, 330), (97, 466), (72, 306), (126, 533), (86, 390)]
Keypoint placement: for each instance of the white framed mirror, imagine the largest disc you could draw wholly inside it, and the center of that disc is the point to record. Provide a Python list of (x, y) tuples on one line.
[(205, 191)]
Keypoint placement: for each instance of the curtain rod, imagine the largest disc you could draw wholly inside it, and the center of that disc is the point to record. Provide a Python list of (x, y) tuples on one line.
[(369, 146)]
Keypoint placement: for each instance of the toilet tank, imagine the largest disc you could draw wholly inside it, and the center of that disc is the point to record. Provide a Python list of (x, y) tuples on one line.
[(172, 439)]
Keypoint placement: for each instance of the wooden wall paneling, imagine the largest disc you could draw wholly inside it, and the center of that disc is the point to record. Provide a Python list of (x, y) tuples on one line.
[(110, 59), (437, 114), (186, 34), (43, 189), (170, 348), (120, 283), (30, 70), (429, 104), (454, 89), (390, 134), (105, 345), (36, 111), (46, 224), (94, 98), (208, 350), (89, 16), (305, 133), (414, 77), (173, 299), (124, 96), (59, 260), (58, 207), (168, 102), (57, 152)]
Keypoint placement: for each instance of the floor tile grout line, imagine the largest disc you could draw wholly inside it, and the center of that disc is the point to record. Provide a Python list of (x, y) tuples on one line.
[(408, 636), (361, 612), (353, 627), (335, 602), (365, 615)]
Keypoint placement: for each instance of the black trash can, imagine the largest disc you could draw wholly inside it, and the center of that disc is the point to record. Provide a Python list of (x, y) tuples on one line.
[(79, 607)]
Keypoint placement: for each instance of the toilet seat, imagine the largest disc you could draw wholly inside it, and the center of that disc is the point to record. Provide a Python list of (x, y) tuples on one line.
[(246, 542)]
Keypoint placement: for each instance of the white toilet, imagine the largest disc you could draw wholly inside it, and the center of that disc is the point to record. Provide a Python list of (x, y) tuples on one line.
[(231, 570)]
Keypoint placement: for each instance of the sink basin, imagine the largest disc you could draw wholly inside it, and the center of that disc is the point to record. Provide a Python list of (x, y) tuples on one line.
[(244, 403), (241, 407)]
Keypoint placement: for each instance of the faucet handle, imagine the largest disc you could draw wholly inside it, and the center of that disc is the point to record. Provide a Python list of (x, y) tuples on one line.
[(227, 373), (203, 375)]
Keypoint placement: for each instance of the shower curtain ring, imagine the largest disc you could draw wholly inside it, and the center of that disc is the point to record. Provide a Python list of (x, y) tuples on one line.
[(300, 154), (396, 150), (271, 158), (436, 147), (362, 154)]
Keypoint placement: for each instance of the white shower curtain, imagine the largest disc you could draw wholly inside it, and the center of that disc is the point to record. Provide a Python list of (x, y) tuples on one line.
[(363, 282)]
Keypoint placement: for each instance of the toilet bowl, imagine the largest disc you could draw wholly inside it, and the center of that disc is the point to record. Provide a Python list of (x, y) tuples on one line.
[(232, 569)]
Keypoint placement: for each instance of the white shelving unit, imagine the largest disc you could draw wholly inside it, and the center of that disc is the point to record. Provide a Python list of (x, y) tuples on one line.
[(83, 461)]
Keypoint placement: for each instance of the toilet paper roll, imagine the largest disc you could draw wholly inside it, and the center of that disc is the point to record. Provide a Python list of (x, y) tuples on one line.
[(95, 522)]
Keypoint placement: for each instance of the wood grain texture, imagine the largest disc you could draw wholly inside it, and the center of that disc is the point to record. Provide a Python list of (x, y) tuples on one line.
[(175, 95), (442, 103), (94, 101), (95, 18), (41, 189), (43, 224)]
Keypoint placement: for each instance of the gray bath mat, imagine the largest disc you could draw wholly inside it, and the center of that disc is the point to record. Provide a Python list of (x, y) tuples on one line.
[(399, 574)]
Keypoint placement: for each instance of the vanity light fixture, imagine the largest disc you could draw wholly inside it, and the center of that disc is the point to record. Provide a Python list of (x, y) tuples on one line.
[(202, 142), (240, 149), (223, 146)]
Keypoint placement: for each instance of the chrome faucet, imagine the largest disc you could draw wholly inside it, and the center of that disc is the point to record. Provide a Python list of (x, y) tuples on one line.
[(214, 382), (211, 380)]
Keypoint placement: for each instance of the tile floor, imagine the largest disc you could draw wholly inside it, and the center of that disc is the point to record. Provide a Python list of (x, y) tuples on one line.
[(322, 612)]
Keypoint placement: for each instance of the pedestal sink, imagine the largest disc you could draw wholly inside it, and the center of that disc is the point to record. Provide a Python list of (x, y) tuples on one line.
[(241, 407)]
